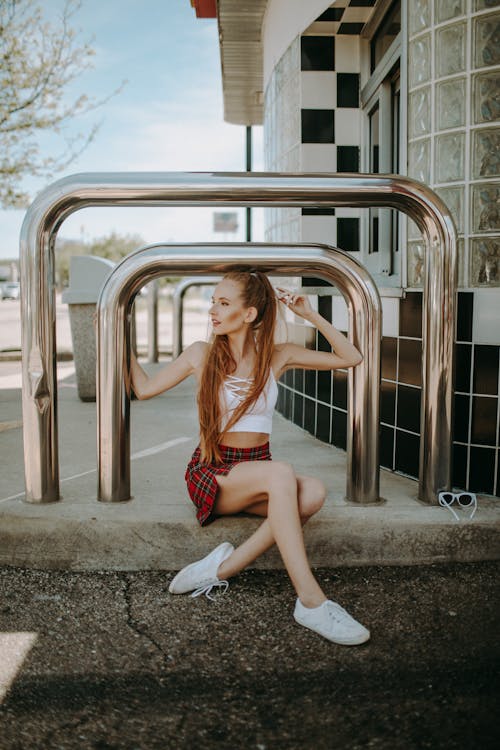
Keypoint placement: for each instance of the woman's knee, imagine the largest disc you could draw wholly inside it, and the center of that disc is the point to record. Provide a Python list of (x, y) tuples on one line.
[(312, 494), (281, 475)]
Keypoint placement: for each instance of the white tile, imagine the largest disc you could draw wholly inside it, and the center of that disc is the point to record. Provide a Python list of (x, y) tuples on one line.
[(486, 328), (318, 89), (344, 212), (318, 157), (347, 54), (339, 313), (357, 14), (320, 229), (347, 126), (390, 316)]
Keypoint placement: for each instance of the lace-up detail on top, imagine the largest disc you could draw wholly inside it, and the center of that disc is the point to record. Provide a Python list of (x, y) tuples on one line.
[(259, 417), (238, 386)]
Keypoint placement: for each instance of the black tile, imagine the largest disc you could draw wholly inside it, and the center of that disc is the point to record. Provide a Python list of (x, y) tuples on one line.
[(465, 308), (323, 423), (409, 408), (325, 307), (350, 28), (339, 428), (332, 14), (298, 382), (348, 233), (310, 415), (459, 475), (407, 453), (317, 53), (410, 361), (484, 420), (463, 359), (340, 389), (461, 418), (362, 3), (485, 369), (348, 90), (389, 357), (325, 386), (410, 315), (298, 417), (482, 470), (318, 211), (387, 402), (323, 344), (387, 447), (318, 125), (314, 281), (347, 158), (497, 491), (280, 403), (310, 377)]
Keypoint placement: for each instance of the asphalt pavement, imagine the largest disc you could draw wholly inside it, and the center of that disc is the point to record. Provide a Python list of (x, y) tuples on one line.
[(95, 654), (116, 663)]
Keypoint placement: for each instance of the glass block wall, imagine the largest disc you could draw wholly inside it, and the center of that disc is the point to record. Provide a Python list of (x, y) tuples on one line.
[(453, 145)]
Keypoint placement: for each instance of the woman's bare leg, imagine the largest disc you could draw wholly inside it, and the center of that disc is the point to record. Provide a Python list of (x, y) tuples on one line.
[(311, 496), (277, 480)]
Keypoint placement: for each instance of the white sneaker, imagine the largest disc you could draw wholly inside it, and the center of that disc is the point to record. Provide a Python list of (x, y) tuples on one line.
[(331, 621), (201, 576)]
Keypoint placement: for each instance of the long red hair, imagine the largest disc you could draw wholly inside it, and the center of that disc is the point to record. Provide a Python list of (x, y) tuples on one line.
[(256, 291)]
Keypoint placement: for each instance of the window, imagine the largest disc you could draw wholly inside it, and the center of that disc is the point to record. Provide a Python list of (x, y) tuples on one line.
[(381, 103), (385, 34)]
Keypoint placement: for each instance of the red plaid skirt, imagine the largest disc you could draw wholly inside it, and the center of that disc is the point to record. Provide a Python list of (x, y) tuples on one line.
[(201, 478)]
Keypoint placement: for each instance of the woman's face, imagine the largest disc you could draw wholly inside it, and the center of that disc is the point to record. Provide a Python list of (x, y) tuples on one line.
[(227, 313)]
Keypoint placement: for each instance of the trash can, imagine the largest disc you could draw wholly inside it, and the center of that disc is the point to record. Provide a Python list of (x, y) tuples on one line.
[(87, 275)]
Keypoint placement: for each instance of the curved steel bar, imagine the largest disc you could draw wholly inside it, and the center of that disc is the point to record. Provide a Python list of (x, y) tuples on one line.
[(65, 196), (113, 377), (152, 308), (178, 310)]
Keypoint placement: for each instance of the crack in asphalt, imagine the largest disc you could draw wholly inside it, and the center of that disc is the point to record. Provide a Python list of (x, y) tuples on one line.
[(140, 629)]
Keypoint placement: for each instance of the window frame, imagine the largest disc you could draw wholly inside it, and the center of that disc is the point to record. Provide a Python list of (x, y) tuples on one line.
[(377, 89)]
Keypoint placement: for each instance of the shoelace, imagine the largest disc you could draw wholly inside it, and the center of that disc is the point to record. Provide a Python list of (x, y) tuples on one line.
[(338, 613), (207, 589)]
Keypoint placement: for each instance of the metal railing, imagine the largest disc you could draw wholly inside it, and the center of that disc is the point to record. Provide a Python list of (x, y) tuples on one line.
[(62, 198), (113, 354), (178, 308)]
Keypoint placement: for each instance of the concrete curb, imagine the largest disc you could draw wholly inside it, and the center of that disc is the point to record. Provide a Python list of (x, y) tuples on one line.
[(157, 529)]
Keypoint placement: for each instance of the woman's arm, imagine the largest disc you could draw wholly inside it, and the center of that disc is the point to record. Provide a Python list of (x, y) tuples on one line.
[(187, 363), (343, 354)]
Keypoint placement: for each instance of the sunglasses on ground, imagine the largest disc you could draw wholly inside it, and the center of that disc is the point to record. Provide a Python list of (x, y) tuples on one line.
[(464, 500)]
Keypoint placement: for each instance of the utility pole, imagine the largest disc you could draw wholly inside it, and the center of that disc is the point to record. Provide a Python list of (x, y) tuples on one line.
[(249, 169)]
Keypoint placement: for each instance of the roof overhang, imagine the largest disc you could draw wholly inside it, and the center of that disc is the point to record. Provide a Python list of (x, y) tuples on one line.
[(240, 39), (205, 8)]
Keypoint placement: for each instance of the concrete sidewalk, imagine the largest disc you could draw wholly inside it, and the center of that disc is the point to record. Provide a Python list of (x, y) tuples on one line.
[(157, 529)]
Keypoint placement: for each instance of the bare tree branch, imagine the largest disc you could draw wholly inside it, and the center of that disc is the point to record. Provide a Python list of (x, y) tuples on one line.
[(38, 61)]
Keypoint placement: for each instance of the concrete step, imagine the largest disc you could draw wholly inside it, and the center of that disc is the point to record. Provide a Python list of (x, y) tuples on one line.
[(157, 529)]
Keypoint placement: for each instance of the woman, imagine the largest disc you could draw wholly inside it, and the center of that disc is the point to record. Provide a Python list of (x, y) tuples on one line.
[(231, 470)]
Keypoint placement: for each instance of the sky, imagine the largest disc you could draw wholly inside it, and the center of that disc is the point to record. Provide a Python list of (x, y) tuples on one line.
[(168, 117)]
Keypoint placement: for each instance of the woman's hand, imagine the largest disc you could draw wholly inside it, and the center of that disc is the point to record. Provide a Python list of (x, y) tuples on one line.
[(297, 303)]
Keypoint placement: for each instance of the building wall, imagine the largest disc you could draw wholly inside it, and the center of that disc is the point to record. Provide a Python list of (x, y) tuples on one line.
[(313, 122)]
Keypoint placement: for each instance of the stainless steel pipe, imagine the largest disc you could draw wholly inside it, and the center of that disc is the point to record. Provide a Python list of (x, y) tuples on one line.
[(62, 198), (113, 358), (152, 307), (178, 309)]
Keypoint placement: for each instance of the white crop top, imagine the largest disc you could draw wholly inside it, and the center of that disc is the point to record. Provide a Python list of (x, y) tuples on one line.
[(259, 418)]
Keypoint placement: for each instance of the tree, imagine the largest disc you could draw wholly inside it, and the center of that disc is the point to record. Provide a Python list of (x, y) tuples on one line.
[(38, 61), (113, 246)]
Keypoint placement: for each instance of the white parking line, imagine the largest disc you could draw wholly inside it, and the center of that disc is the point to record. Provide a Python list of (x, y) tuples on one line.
[(140, 454)]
